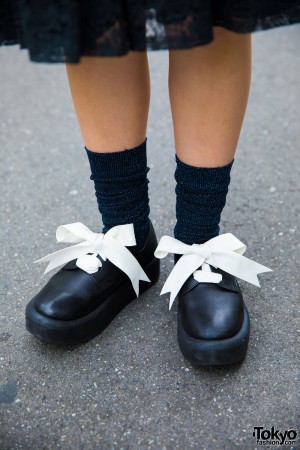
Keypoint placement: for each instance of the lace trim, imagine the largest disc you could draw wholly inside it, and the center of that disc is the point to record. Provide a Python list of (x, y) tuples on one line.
[(64, 30)]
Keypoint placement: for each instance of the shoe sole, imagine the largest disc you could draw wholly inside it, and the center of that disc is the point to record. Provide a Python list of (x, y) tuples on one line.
[(79, 331), (204, 352)]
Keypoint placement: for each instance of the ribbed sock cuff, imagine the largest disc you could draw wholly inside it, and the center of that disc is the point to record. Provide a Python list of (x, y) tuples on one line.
[(200, 198), (121, 188), (118, 164), (203, 176)]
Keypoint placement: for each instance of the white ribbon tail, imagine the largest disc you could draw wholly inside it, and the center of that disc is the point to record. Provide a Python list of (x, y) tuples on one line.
[(238, 265), (121, 257), (184, 267), (65, 255)]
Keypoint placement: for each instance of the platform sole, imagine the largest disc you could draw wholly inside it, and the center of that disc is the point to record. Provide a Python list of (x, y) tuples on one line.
[(72, 332), (204, 352)]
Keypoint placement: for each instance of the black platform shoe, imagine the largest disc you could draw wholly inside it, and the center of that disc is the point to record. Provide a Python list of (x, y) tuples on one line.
[(75, 306), (213, 321)]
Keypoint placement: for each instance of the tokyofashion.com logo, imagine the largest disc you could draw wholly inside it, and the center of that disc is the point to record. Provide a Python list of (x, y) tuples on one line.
[(271, 436)]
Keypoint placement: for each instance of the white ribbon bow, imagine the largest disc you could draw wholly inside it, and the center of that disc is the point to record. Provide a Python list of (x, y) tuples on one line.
[(224, 251), (111, 246)]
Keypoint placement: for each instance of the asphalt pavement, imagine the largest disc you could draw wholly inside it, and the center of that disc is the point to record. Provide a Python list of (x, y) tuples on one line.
[(131, 388)]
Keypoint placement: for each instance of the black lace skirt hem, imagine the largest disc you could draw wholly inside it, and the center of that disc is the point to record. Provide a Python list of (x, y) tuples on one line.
[(56, 34)]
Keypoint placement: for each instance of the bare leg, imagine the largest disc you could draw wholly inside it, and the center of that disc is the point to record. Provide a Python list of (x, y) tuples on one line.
[(111, 97), (209, 87)]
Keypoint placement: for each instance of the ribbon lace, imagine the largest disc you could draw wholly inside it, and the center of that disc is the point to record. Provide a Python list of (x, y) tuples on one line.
[(224, 251), (88, 245)]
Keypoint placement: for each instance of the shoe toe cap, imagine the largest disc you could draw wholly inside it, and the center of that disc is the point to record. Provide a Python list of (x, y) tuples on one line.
[(212, 313), (66, 296)]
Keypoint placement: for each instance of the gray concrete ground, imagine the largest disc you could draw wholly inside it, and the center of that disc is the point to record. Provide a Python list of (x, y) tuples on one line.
[(131, 388)]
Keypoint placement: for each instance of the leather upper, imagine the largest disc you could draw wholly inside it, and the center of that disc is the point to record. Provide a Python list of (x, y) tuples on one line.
[(209, 310), (72, 293)]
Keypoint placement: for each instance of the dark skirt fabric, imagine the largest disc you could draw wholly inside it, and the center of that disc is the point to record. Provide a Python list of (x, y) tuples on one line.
[(65, 30)]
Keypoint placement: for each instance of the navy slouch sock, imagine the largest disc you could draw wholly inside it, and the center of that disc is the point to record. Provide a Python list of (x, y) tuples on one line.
[(121, 188), (200, 198)]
